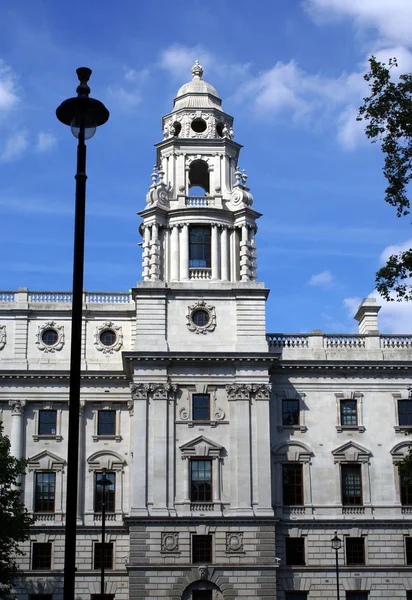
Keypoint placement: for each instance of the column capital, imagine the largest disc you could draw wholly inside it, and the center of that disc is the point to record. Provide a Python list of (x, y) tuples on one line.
[(17, 406)]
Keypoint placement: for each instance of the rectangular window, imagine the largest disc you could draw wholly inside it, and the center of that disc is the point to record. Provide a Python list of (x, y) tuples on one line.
[(44, 496), (108, 555), (41, 597), (201, 549), (295, 551), (408, 595), (102, 597), (47, 422), (201, 407), (199, 247), (355, 551), (357, 595), (292, 484), (109, 491), (348, 413), (41, 556), (351, 485), (106, 422), (405, 412), (290, 412), (408, 550), (406, 492), (202, 595), (296, 595), (201, 481)]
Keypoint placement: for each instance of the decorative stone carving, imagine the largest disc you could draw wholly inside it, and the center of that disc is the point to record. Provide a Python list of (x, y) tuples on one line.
[(3, 337), (46, 348), (159, 391), (139, 390), (262, 391), (219, 414), (108, 325), (210, 324), (234, 542), (203, 572), (239, 391), (227, 132), (17, 406), (184, 414), (170, 542), (158, 193)]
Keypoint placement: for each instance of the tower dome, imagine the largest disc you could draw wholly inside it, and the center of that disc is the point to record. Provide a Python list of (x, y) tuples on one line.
[(197, 93)]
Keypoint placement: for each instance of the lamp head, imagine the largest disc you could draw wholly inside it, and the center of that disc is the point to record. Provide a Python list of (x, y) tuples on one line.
[(104, 480), (336, 542)]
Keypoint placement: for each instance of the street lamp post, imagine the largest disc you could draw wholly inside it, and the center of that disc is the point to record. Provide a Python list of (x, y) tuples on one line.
[(337, 545), (83, 115), (103, 482)]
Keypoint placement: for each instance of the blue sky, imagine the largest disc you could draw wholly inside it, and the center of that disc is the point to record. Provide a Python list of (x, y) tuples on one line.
[(289, 71)]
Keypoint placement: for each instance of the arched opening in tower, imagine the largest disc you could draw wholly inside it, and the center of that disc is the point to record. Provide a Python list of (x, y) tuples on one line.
[(199, 183)]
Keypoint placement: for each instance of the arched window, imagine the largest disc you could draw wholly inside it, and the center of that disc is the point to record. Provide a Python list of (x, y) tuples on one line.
[(199, 177)]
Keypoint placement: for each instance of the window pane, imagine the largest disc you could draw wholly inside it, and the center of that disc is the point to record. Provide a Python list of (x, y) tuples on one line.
[(292, 484), (201, 548), (201, 407), (295, 551), (296, 595), (45, 492), (351, 485), (199, 247), (356, 595), (201, 481), (110, 492), (202, 595), (406, 492), (290, 412), (41, 556), (348, 412), (47, 422), (106, 424), (408, 550), (355, 551), (405, 412), (108, 555)]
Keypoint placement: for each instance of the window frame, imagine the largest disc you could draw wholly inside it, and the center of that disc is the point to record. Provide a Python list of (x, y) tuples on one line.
[(299, 551), (405, 492), (350, 414), (200, 251), (350, 541), (194, 408), (35, 548), (345, 496), (106, 412), (405, 401), (197, 559), (199, 499), (357, 595), (294, 486), (288, 396), (43, 412), (108, 554), (296, 595), (110, 493), (354, 396), (296, 417), (408, 549), (38, 502)]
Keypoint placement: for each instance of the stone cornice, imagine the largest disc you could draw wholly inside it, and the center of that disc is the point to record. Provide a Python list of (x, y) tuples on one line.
[(62, 375), (342, 365), (201, 356)]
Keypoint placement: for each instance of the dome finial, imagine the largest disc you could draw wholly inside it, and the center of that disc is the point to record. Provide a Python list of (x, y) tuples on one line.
[(197, 70)]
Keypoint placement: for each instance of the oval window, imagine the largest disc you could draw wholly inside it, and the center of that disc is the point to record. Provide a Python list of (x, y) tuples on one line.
[(201, 318), (198, 125), (50, 337), (108, 337)]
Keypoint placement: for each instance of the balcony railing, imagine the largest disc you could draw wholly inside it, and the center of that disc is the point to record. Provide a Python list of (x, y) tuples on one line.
[(199, 201), (278, 342), (65, 297), (199, 273)]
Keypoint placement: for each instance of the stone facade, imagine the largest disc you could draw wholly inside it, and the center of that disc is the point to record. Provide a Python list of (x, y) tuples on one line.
[(238, 497)]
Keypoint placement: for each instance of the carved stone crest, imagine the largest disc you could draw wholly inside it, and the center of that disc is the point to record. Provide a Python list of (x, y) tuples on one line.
[(203, 573), (104, 348), (170, 542), (57, 329), (234, 542), (239, 391), (201, 317), (3, 337)]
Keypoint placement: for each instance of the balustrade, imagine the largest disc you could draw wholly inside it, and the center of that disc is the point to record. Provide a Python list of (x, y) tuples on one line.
[(200, 273)]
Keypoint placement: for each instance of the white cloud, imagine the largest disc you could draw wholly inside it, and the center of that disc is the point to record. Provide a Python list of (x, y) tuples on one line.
[(179, 59), (324, 279), (15, 146), (396, 249), (126, 99), (46, 140), (8, 88), (391, 18), (393, 317)]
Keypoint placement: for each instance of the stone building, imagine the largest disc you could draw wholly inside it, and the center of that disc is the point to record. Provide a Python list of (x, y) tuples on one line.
[(234, 455)]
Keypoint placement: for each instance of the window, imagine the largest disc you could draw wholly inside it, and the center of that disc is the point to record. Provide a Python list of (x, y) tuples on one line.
[(296, 596), (348, 413), (408, 595), (102, 597), (202, 595), (405, 412), (201, 548), (292, 484), (41, 597), (50, 337), (355, 551), (201, 481), (356, 595), (351, 485), (108, 337), (41, 559), (47, 422), (45, 491), (106, 422), (201, 407), (406, 492), (110, 492), (199, 247), (290, 412), (108, 555), (295, 550), (408, 550)]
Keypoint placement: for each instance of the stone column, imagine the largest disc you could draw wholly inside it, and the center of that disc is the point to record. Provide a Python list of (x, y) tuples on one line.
[(216, 481), (16, 435), (184, 252), (138, 469), (174, 254), (186, 496), (244, 259), (215, 253), (224, 254), (155, 253), (146, 254), (234, 255)]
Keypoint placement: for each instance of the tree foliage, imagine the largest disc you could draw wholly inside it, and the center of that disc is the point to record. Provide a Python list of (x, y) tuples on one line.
[(387, 112), (15, 521), (405, 467)]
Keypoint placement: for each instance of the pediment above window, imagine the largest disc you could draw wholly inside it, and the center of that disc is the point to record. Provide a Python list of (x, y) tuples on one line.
[(293, 452), (201, 446), (46, 461), (105, 459), (351, 452), (399, 451)]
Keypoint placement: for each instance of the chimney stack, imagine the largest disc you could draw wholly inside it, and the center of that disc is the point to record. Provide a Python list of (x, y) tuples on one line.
[(367, 316)]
